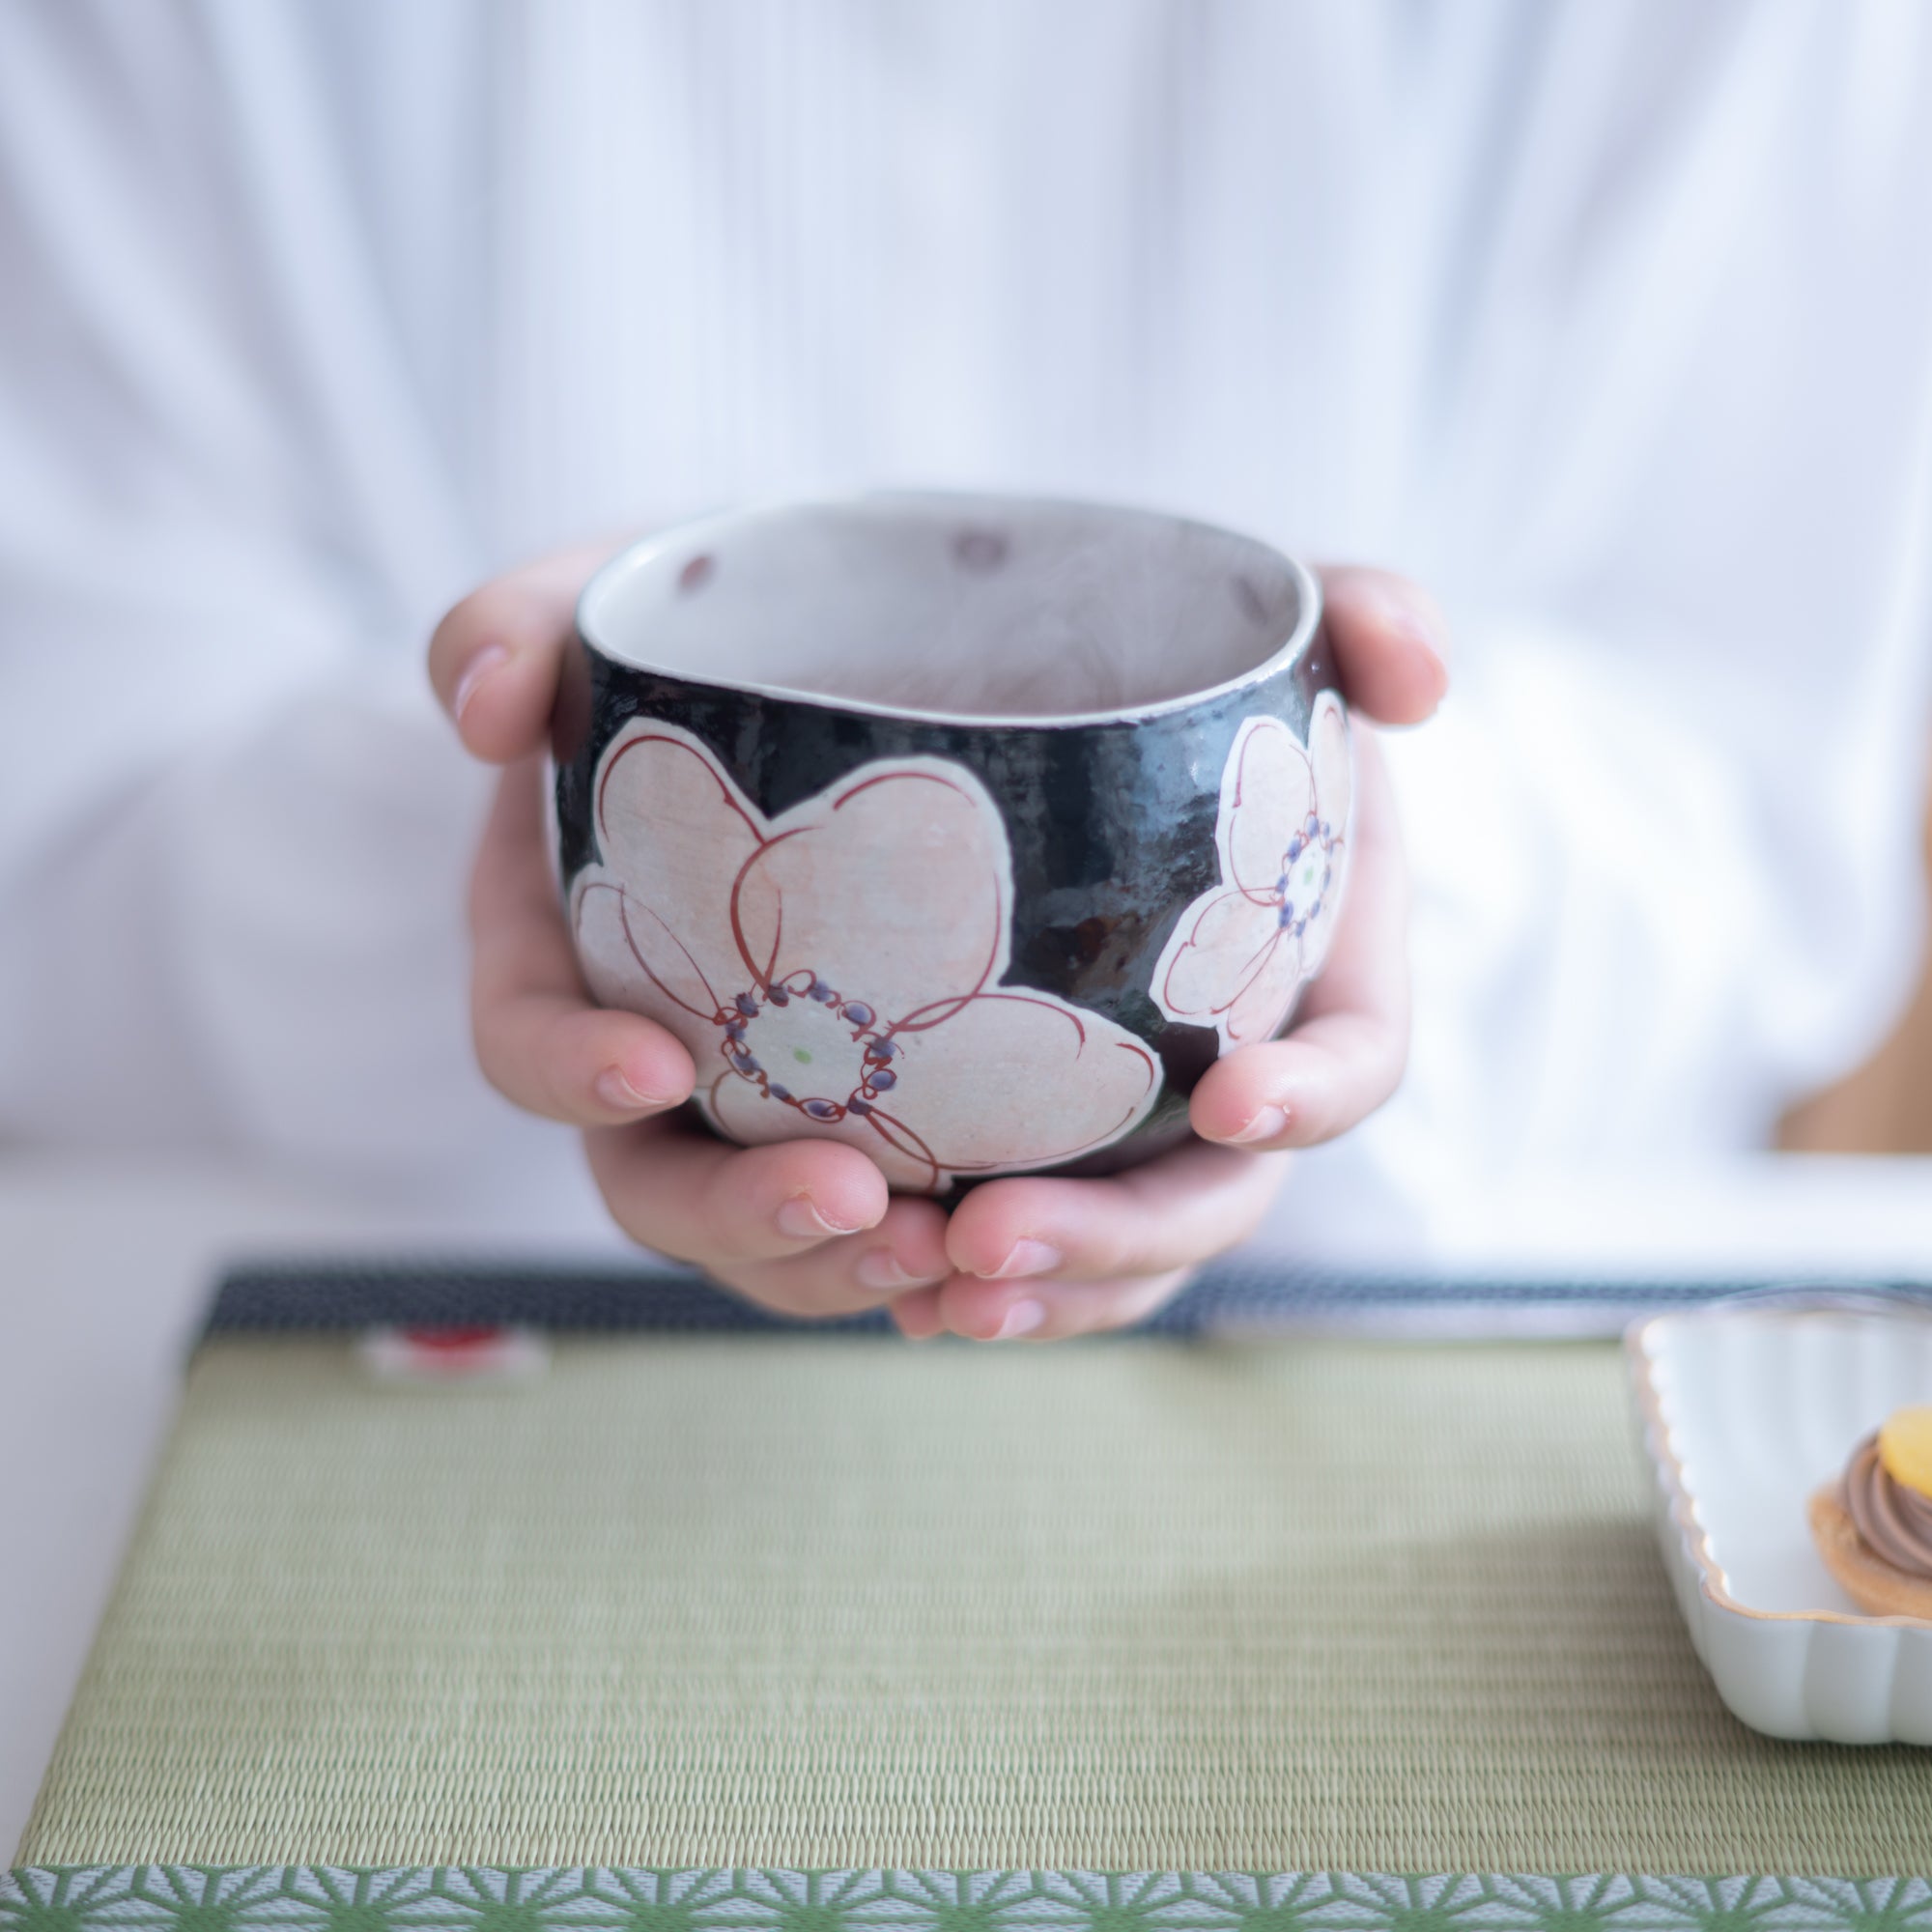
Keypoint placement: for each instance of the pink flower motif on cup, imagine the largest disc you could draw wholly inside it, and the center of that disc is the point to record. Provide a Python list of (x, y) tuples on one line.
[(835, 971), (1242, 952)]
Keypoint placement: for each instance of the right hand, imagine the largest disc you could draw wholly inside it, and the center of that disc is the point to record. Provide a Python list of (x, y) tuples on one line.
[(805, 1227)]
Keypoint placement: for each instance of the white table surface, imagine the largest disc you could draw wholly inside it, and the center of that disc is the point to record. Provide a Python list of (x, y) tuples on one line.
[(105, 1269)]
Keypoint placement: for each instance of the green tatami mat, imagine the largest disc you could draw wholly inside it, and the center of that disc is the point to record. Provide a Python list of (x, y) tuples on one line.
[(826, 1604)]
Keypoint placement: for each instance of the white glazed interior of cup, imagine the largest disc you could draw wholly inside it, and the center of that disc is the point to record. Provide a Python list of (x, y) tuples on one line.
[(957, 607)]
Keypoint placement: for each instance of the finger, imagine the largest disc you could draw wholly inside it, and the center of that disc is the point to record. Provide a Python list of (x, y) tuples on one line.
[(917, 1315), (1050, 1311), (539, 1040), (1175, 1210), (495, 658), (1346, 1053), (1390, 641), (676, 1188), (906, 1252)]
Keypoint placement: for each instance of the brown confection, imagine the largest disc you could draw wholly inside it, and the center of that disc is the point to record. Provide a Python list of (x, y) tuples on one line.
[(1876, 1587)]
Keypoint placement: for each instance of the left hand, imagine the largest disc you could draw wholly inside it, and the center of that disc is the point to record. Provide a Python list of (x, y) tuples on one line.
[(1046, 1258), (1022, 1255)]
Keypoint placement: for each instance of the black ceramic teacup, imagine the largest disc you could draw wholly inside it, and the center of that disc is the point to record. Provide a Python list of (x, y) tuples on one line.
[(965, 829)]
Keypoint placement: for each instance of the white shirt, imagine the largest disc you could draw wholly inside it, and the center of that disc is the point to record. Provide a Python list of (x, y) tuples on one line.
[(1609, 321)]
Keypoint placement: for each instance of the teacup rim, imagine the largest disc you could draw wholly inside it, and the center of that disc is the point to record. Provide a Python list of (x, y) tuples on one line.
[(644, 550)]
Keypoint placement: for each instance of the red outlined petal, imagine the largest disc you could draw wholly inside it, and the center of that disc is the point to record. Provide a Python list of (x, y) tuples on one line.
[(632, 958), (1333, 761), (1267, 993), (894, 889), (1019, 1079), (674, 832), (1223, 941), (899, 1152), (1266, 793), (1333, 757), (629, 953)]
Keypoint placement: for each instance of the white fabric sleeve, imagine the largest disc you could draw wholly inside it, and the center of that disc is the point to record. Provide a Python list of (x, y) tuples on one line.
[(1663, 833), (233, 832), (1651, 911), (1666, 831)]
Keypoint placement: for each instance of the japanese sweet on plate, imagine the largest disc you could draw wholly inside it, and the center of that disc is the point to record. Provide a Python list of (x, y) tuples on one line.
[(1873, 1526), (969, 830), (1754, 1412)]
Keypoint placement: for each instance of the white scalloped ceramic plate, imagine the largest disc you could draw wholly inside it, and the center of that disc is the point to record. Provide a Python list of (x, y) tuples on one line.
[(1743, 1411)]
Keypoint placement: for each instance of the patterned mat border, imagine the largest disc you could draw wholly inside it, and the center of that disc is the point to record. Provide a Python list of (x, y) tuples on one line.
[(1245, 1294), (483, 1898)]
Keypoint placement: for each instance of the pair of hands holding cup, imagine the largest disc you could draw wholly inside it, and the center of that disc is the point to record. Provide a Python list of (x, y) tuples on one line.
[(808, 1227)]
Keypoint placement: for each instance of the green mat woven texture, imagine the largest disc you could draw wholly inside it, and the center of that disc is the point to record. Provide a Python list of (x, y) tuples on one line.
[(814, 1603)]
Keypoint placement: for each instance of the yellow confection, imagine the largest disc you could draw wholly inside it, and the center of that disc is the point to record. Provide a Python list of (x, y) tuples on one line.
[(1905, 1449)]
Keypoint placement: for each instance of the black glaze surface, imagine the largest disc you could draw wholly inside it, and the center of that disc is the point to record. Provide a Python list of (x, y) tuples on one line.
[(1111, 826)]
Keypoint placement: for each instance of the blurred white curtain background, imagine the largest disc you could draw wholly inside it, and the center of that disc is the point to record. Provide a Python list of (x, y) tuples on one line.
[(1608, 321)]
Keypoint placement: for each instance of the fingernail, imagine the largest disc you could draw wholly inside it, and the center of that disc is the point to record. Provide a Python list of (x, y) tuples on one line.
[(1022, 1319), (617, 1092), (1026, 1257), (800, 1219), (879, 1267), (1271, 1123), (479, 668), (1420, 623)]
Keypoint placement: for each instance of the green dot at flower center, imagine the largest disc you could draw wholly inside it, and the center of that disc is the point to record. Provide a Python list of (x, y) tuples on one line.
[(799, 1054)]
